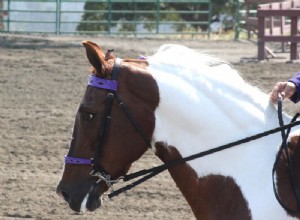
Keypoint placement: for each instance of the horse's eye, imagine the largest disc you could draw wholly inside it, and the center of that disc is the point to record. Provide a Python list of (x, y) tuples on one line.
[(87, 116)]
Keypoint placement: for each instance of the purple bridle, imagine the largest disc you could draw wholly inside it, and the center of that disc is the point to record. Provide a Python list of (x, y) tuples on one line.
[(112, 86), (101, 84), (75, 160)]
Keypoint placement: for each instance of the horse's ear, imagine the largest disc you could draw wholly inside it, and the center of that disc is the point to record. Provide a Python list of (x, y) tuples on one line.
[(95, 56)]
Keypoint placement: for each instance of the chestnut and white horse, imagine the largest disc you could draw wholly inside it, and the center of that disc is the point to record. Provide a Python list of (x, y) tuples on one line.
[(184, 102)]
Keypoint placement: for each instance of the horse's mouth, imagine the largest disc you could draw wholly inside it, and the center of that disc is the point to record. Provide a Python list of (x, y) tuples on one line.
[(92, 200), (88, 202)]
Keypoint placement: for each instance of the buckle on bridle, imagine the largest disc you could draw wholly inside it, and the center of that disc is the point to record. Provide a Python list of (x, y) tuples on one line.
[(105, 178)]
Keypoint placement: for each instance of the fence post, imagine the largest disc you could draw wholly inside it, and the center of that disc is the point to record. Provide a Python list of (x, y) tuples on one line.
[(294, 28), (109, 16), (209, 18), (238, 20), (134, 18), (8, 15), (1, 15), (260, 36), (157, 15), (58, 10)]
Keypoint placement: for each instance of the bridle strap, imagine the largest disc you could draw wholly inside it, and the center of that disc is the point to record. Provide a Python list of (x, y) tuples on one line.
[(106, 118), (102, 83), (133, 121), (103, 131), (116, 69), (75, 160), (110, 85), (149, 173)]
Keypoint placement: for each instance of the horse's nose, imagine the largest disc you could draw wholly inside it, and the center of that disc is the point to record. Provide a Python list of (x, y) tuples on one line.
[(74, 204), (63, 194)]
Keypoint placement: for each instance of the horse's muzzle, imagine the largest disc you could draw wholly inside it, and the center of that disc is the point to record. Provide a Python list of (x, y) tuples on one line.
[(80, 202), (74, 204)]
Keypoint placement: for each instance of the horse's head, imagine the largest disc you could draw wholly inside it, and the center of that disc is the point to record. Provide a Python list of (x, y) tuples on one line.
[(113, 127)]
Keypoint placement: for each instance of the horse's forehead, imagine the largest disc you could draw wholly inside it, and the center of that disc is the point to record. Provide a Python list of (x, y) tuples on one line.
[(93, 98)]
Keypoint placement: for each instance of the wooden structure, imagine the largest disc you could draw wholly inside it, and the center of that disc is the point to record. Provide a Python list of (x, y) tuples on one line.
[(287, 32), (251, 18)]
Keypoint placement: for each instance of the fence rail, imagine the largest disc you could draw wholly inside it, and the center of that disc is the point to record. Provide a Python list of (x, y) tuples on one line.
[(140, 17)]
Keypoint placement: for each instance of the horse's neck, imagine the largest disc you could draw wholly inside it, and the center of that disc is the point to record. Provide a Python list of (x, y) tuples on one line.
[(205, 195), (209, 109), (199, 112)]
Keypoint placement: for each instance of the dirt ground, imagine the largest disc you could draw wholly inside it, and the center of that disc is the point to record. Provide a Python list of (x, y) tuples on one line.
[(42, 80)]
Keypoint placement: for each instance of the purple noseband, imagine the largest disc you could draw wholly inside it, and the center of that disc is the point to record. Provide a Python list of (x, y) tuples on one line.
[(75, 160)]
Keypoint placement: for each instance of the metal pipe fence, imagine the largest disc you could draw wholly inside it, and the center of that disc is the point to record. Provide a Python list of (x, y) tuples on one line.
[(110, 17)]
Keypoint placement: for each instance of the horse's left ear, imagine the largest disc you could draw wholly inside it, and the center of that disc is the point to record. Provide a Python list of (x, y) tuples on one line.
[(95, 56)]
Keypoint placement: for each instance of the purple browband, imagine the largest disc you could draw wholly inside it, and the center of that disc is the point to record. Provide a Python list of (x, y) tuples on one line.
[(75, 160), (103, 83)]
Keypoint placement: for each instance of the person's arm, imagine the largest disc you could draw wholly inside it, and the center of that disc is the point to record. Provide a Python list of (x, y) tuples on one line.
[(290, 89), (296, 81)]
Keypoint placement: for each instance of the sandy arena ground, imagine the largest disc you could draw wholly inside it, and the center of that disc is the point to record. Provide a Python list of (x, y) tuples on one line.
[(42, 80)]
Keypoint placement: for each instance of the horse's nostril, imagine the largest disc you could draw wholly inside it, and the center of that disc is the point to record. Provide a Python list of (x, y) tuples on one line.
[(66, 196)]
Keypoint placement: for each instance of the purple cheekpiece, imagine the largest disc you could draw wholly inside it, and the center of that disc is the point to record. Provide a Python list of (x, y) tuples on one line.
[(103, 83), (75, 160)]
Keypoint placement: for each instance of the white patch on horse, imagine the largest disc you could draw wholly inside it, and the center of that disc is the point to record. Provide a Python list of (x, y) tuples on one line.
[(83, 203), (204, 103)]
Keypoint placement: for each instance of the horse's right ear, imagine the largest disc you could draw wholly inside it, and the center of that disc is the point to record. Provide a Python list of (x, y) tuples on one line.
[(95, 56)]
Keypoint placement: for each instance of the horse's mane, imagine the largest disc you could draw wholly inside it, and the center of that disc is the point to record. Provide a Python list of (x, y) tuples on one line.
[(172, 52), (200, 69), (199, 63)]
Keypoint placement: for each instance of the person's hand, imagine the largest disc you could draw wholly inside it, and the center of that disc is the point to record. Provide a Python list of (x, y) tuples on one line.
[(285, 89)]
